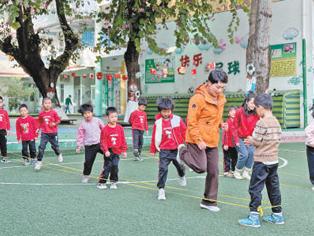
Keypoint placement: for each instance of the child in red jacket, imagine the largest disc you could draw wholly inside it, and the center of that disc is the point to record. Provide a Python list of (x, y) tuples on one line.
[(4, 127), (138, 120), (230, 140), (112, 143), (168, 134), (26, 131), (48, 121)]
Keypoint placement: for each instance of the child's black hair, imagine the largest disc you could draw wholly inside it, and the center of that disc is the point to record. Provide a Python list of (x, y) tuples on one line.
[(1, 98), (264, 100), (232, 108), (142, 101), (165, 104), (217, 75), (250, 95), (85, 107), (110, 110), (23, 105)]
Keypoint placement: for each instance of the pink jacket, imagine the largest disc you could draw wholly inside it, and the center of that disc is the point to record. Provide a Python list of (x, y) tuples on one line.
[(309, 134)]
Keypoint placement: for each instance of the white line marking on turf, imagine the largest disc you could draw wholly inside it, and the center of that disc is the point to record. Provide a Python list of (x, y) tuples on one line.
[(285, 162)]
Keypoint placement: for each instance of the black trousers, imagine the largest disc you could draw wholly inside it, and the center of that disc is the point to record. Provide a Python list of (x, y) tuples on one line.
[(3, 142), (90, 156), (310, 162), (28, 149), (138, 139), (111, 167), (265, 175), (44, 139), (230, 159), (165, 158)]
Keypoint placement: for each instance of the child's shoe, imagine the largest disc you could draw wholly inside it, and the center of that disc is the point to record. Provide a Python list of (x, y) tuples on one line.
[(161, 194), (60, 158), (33, 161), (5, 160), (251, 221), (26, 162), (237, 174), (101, 186), (228, 174), (210, 208), (38, 165), (246, 174), (274, 218), (113, 186), (85, 179), (182, 181), (313, 188)]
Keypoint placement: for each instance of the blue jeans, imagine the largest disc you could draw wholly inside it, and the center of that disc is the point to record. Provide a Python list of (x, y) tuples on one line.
[(111, 167), (310, 161), (245, 155), (44, 139)]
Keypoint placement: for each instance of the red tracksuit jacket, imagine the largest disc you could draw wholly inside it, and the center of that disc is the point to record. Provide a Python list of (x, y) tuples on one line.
[(113, 138), (230, 137), (138, 120), (26, 128), (244, 123), (167, 134), (4, 120), (45, 120)]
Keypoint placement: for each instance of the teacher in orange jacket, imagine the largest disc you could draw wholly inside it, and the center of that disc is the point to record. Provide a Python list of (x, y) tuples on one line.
[(202, 136)]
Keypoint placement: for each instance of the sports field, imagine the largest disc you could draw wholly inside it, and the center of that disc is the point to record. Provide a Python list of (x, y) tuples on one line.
[(54, 202)]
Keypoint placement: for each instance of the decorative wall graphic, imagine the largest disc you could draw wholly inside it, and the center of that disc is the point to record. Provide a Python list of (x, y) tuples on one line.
[(242, 41), (290, 33), (204, 46), (295, 80), (222, 45), (178, 51), (283, 60), (163, 69), (149, 51)]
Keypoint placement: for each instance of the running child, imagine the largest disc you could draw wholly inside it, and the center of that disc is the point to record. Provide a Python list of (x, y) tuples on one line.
[(48, 120), (168, 134), (245, 121), (138, 120), (309, 142), (266, 139), (113, 144), (26, 131), (230, 141), (88, 137), (4, 127)]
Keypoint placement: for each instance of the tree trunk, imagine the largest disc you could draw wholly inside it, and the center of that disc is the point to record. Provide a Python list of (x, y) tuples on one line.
[(131, 57), (258, 51)]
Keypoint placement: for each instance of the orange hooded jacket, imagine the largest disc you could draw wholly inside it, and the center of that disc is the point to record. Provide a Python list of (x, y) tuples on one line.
[(204, 117)]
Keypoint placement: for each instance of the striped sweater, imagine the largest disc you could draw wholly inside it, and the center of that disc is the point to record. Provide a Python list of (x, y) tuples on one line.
[(266, 139)]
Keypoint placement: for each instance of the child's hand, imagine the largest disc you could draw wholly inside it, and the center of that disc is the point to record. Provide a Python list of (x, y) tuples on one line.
[(202, 145), (226, 147), (124, 155), (19, 141), (52, 124), (107, 154), (237, 144), (247, 140), (78, 150), (147, 132)]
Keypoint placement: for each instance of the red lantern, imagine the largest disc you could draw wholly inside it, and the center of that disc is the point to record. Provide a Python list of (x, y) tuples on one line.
[(99, 75), (117, 75), (181, 70), (210, 66), (124, 77), (74, 75), (91, 75), (109, 77), (84, 76), (153, 71), (193, 71)]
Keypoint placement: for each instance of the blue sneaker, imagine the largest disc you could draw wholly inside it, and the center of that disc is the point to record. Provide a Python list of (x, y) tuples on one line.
[(252, 220), (274, 219)]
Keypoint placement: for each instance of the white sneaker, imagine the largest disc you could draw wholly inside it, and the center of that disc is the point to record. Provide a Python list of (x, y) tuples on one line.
[(113, 186), (101, 186), (5, 160), (33, 161), (85, 179), (178, 155), (210, 208), (161, 194), (38, 165), (246, 174), (26, 162), (60, 158), (182, 181), (237, 174), (313, 188)]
